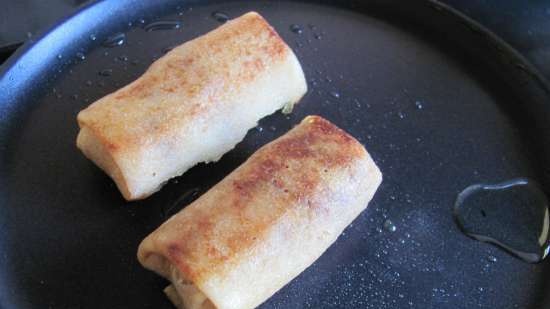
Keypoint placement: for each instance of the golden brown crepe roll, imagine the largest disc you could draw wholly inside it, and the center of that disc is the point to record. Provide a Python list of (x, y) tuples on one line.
[(266, 222), (192, 105)]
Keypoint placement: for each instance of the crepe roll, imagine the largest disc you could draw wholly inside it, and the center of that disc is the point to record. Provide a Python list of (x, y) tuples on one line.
[(192, 105), (266, 222)]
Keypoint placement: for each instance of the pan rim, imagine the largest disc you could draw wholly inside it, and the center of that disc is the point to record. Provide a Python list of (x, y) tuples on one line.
[(19, 55), (11, 64)]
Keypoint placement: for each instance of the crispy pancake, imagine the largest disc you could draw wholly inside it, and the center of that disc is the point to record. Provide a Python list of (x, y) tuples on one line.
[(266, 222), (192, 105)]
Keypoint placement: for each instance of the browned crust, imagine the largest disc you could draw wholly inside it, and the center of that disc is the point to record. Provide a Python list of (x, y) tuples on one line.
[(225, 223)]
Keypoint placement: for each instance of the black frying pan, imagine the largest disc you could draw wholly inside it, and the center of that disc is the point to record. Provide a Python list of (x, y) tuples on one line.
[(439, 102)]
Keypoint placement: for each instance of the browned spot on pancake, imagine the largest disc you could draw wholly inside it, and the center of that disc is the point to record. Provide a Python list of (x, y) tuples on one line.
[(216, 254), (175, 76), (112, 146), (236, 242), (173, 250), (177, 255), (188, 61), (274, 46), (177, 69), (213, 252), (251, 69), (242, 187), (321, 125), (140, 89), (322, 142), (260, 173), (256, 64), (277, 50), (180, 63), (296, 147), (278, 183), (205, 225)]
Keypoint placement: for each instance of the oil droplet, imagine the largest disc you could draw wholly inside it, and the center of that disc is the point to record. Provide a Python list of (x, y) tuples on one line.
[(80, 56), (418, 105), (318, 36), (313, 82), (511, 215), (59, 56), (220, 16), (185, 199), (335, 94), (401, 115), (93, 37), (296, 29), (114, 40), (106, 72), (389, 226), (122, 58), (162, 25), (259, 129), (492, 259)]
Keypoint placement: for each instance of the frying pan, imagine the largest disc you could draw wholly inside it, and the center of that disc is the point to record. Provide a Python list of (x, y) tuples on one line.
[(439, 102)]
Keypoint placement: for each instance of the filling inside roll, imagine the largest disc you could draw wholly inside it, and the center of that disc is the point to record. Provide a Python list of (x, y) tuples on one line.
[(185, 295), (181, 292)]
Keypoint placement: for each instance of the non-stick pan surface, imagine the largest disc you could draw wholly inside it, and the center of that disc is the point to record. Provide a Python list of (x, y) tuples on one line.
[(439, 103)]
